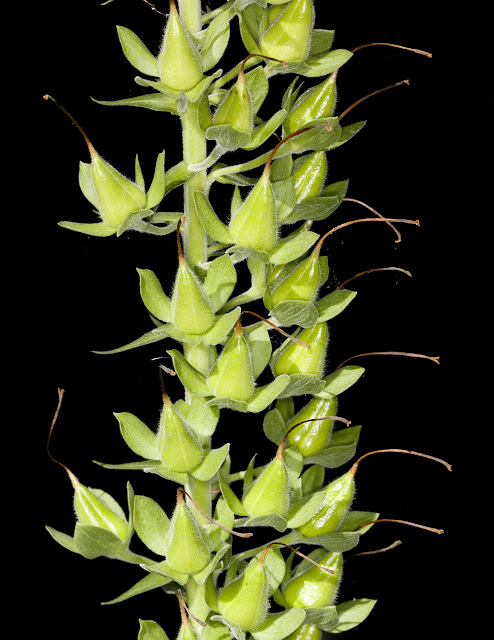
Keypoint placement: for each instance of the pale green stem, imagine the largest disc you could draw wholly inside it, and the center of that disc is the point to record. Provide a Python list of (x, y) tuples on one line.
[(237, 168), (196, 252), (233, 73), (207, 17)]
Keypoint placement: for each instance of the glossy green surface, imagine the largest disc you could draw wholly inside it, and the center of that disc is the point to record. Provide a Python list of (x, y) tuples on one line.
[(270, 492), (311, 437), (298, 359), (328, 519), (231, 375), (315, 587), (245, 599)]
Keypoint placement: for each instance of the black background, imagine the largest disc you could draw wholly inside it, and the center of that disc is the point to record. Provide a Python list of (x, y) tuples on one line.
[(78, 293)]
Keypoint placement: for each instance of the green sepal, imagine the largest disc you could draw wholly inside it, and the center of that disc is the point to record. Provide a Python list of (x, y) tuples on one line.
[(171, 331), (196, 93), (155, 299), (285, 196), (228, 137), (302, 510), (260, 348), (293, 247), (211, 463), (137, 53), (151, 524), (163, 569), (92, 542), (63, 539), (348, 132), (240, 253), (326, 63), (352, 613), (316, 208), (153, 101), (213, 226), (265, 130), (274, 426), (230, 498), (177, 175), (340, 451), (210, 593), (134, 221), (296, 312), (86, 185), (302, 384), (139, 177), (214, 629), (334, 303), (98, 229), (138, 437), (216, 40), (150, 630), (201, 418), (220, 281), (155, 335), (340, 380), (148, 583), (355, 519), (234, 629), (326, 618), (228, 403), (312, 480), (221, 328), (336, 542), (315, 139), (258, 87), (279, 625), (157, 190), (201, 577), (265, 395), (190, 377), (321, 41)]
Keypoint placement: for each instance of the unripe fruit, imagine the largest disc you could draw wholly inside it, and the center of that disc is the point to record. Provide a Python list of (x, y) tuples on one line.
[(91, 509), (244, 601), (306, 632), (301, 284), (312, 436), (288, 37), (315, 587), (177, 445), (316, 102), (328, 519), (254, 224), (236, 108), (308, 177), (179, 62), (298, 359), (270, 493)]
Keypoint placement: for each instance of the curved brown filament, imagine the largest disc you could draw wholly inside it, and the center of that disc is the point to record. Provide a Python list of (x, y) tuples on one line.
[(379, 215), (271, 324), (353, 470), (410, 524), (369, 95), (262, 557), (396, 46), (389, 353), (92, 150), (363, 273), (281, 446)]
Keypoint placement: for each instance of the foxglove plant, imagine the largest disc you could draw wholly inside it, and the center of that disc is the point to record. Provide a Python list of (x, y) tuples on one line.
[(275, 232)]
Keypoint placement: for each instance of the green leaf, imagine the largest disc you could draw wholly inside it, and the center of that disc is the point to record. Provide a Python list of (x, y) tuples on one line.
[(213, 226), (294, 463), (99, 229), (202, 576), (150, 630), (215, 630), (293, 247), (260, 348), (326, 618), (341, 450), (157, 190), (220, 281), (321, 41), (63, 539), (312, 480), (355, 519), (258, 87), (273, 520), (335, 542), (86, 184), (327, 63), (301, 511), (151, 524), (334, 303), (211, 462), (228, 403), (274, 426), (148, 338), (138, 437), (190, 377), (230, 498), (316, 208), (228, 137), (348, 132), (140, 465), (235, 629), (290, 312), (137, 53), (302, 384), (317, 138), (222, 327), (341, 380), (155, 299), (216, 40), (201, 418), (265, 395), (148, 583), (194, 94), (244, 253), (352, 613), (164, 569), (93, 542), (225, 516), (280, 625), (265, 130), (153, 101), (177, 175), (285, 196)]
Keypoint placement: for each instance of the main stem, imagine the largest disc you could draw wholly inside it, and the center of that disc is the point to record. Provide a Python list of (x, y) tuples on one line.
[(195, 247)]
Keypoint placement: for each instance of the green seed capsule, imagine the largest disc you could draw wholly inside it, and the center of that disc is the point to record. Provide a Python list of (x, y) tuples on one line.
[(232, 375), (270, 493), (254, 223), (309, 177), (288, 38), (186, 633), (236, 108), (245, 599), (179, 62), (306, 632), (118, 196), (91, 509), (316, 102), (301, 284), (296, 358), (191, 308), (177, 445), (186, 544), (328, 519), (315, 587), (311, 437)]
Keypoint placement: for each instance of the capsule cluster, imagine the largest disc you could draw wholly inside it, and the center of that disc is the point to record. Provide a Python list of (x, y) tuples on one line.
[(275, 231)]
